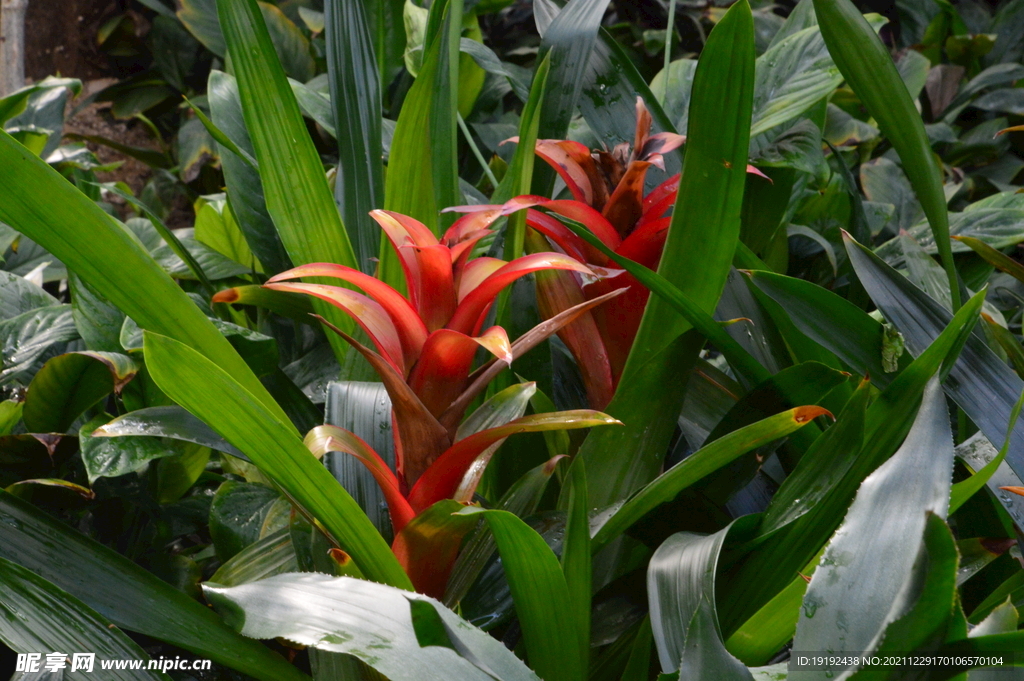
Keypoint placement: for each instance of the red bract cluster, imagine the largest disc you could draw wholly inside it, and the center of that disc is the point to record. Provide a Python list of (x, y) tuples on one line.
[(608, 198), (425, 346)]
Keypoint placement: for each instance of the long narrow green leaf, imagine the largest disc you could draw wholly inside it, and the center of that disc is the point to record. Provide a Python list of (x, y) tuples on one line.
[(272, 444), (965, 489), (125, 594), (865, 62), (39, 203), (295, 186), (701, 463), (541, 597), (39, 618), (697, 257), (576, 558), (356, 100)]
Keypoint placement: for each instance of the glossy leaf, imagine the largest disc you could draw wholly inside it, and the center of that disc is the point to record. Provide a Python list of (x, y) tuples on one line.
[(171, 422), (272, 445), (297, 196), (117, 589), (373, 622), (38, 202), (541, 597), (110, 458), (69, 384), (709, 203), (272, 555)]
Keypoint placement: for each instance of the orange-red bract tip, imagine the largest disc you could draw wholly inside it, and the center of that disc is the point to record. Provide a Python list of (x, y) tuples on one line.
[(810, 412), (228, 295), (339, 557), (1015, 490)]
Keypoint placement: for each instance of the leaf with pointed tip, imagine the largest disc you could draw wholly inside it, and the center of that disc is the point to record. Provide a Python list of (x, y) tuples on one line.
[(443, 368), (702, 463), (323, 439), (867, 66), (373, 622), (980, 383), (576, 550), (171, 422), (541, 597), (285, 304), (469, 314), (208, 392), (997, 259), (69, 384), (442, 479)]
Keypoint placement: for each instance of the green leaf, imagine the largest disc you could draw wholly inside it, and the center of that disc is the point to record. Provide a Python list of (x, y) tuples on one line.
[(372, 622), (980, 383), (171, 422), (271, 555), (18, 295), (356, 101), (27, 339), (965, 489), (176, 474), (112, 457), (10, 414), (853, 595), (422, 175), (868, 68), (41, 617), (700, 464), (69, 384), (98, 322), (272, 443), (297, 195), (541, 598), (244, 186), (681, 593), (239, 516), (126, 594), (575, 557), (705, 229), (41, 204), (215, 227), (364, 409)]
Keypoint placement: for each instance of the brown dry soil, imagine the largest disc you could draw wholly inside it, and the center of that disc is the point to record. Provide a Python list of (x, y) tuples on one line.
[(61, 39)]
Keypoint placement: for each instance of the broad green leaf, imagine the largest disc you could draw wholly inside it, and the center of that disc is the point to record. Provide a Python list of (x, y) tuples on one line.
[(271, 555), (126, 594), (774, 565), (239, 516), (297, 195), (868, 68), (980, 383), (541, 596), (42, 618), (575, 557), (27, 339), (112, 457), (18, 295), (355, 84), (69, 384), (176, 474), (273, 445), (925, 610), (853, 595), (97, 320), (521, 499), (38, 202), (171, 422), (215, 227), (10, 414), (703, 236), (681, 594), (700, 464), (373, 622)]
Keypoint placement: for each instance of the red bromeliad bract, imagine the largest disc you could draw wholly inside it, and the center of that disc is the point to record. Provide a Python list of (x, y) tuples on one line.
[(425, 345), (608, 197)]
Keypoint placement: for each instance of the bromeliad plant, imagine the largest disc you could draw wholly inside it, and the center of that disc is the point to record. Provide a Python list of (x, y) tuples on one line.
[(426, 345)]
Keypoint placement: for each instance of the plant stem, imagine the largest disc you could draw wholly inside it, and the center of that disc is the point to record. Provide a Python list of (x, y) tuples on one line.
[(476, 151), (668, 42)]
